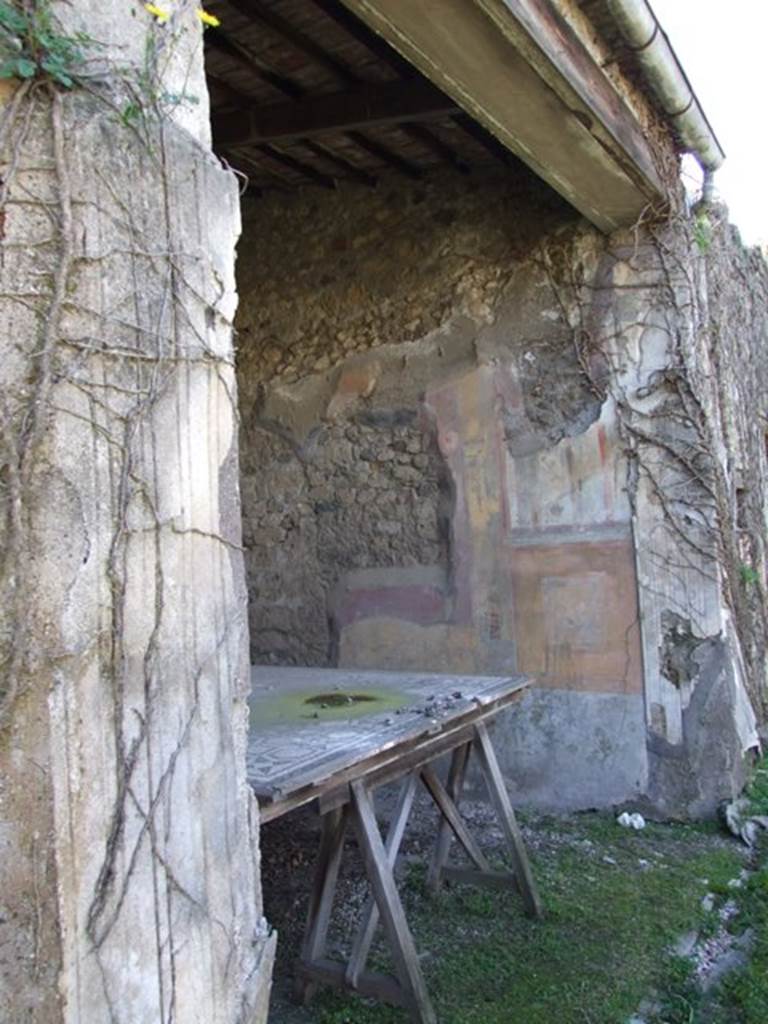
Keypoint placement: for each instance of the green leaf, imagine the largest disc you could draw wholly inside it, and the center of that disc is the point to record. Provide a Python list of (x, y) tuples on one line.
[(25, 68), (12, 19), (131, 112), (749, 576)]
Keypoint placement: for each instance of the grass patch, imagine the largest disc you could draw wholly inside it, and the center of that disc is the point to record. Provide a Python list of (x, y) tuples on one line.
[(745, 995), (614, 901)]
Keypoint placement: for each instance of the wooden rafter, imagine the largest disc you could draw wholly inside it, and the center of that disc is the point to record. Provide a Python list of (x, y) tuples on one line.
[(435, 144), (217, 40), (306, 170), (256, 12), (352, 110), (349, 169), (375, 148), (278, 26), (485, 139), (379, 48), (363, 35)]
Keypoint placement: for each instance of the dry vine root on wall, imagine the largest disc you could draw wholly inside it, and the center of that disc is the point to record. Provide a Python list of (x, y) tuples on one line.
[(109, 332), (677, 419)]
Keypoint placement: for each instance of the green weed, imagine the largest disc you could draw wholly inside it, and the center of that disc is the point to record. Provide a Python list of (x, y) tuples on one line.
[(32, 45), (614, 902)]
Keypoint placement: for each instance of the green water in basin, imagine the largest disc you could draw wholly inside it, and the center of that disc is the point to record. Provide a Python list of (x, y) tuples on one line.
[(326, 705)]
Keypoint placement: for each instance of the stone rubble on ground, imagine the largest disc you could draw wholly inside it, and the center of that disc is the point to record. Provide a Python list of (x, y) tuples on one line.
[(627, 820), (741, 823)]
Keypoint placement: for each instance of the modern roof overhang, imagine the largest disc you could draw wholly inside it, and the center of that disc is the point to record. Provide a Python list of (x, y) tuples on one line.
[(315, 92), (519, 69)]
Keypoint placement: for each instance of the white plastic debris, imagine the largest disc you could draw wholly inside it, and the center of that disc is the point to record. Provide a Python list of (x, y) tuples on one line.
[(627, 820)]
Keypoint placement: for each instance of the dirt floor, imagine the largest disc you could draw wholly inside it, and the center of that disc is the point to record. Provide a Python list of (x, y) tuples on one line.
[(639, 925)]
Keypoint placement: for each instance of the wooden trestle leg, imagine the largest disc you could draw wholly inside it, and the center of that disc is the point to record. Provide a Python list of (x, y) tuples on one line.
[(382, 881), (444, 836), (334, 825), (452, 826), (498, 793), (362, 944), (408, 989)]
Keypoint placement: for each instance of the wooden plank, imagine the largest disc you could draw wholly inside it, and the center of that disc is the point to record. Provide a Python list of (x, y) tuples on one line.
[(557, 53), (349, 169), (257, 12), (391, 909), (297, 165), (370, 919), (498, 793), (483, 879), (374, 986), (385, 766), (215, 39), (450, 813), (364, 106), (444, 836), (334, 825)]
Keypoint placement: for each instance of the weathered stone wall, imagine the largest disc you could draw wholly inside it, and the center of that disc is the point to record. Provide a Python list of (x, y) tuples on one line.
[(547, 526), (653, 312), (355, 496), (129, 887), (341, 465), (481, 524), (735, 334), (710, 613)]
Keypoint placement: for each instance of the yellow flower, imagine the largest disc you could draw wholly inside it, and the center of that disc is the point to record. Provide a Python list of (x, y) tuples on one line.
[(157, 12), (208, 19)]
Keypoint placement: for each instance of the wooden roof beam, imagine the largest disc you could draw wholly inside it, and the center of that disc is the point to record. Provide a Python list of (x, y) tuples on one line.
[(255, 12), (347, 168), (278, 26), (216, 40), (364, 107), (427, 139), (305, 170), (385, 154), (520, 69)]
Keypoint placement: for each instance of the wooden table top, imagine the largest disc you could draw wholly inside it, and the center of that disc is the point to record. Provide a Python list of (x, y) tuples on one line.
[(312, 729)]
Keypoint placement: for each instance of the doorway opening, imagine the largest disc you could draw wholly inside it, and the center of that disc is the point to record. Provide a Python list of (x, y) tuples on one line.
[(382, 272), (381, 226)]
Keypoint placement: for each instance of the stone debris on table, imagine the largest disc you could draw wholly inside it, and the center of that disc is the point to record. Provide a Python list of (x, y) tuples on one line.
[(433, 707)]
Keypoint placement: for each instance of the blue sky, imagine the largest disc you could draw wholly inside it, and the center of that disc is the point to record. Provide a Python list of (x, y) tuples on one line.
[(724, 50)]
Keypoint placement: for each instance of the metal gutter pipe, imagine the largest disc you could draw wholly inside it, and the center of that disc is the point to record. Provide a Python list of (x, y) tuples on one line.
[(648, 41)]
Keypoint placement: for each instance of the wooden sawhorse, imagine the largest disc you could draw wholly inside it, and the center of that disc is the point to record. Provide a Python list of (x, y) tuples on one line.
[(353, 802)]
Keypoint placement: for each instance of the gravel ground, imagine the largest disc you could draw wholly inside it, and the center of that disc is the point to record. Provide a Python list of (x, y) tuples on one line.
[(288, 847), (288, 851)]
